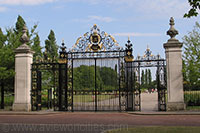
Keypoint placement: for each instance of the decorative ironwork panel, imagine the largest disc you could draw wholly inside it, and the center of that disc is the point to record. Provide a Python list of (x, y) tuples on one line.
[(94, 41), (38, 71)]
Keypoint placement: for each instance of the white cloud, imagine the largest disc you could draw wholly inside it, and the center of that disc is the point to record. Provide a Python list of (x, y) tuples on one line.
[(25, 2), (99, 18), (95, 19), (133, 34), (149, 8)]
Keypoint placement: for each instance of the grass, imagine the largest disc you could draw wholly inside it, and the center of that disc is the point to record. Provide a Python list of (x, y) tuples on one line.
[(91, 98), (157, 129), (193, 108)]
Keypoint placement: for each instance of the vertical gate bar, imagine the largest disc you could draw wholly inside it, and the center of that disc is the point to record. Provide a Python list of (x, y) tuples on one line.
[(165, 85), (72, 80), (131, 86), (2, 94), (39, 88), (158, 86), (95, 84), (54, 87), (66, 87), (119, 65), (60, 88), (139, 87), (32, 87), (128, 83)]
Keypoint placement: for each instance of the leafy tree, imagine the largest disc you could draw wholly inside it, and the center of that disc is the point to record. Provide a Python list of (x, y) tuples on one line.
[(191, 57), (8, 43), (2, 39), (51, 46), (36, 47), (149, 77), (6, 70), (146, 77), (19, 24), (195, 6), (142, 78)]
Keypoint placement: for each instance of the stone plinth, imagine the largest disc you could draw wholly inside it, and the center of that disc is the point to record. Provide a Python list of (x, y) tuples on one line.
[(175, 100), (23, 61)]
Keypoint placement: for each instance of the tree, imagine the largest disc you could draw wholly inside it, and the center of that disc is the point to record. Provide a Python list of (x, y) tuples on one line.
[(191, 57), (50, 46), (142, 78), (8, 43), (36, 47), (2, 39), (146, 77), (149, 77), (6, 68), (195, 7), (19, 24)]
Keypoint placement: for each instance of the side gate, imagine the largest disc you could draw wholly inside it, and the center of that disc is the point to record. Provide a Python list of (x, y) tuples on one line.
[(133, 78), (51, 84)]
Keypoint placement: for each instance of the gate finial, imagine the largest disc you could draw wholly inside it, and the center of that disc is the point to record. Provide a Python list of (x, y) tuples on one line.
[(63, 54), (129, 51), (24, 39), (172, 32)]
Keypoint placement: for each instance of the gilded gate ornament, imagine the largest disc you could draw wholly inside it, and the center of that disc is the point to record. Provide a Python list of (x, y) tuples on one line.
[(95, 40)]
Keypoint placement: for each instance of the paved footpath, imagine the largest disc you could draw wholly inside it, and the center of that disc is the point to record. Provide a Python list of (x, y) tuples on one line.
[(91, 121)]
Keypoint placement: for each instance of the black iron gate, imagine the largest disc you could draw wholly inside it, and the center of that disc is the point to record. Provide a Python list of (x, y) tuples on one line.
[(95, 75), (133, 78)]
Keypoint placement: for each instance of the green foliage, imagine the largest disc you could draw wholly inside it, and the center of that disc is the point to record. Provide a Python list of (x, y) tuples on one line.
[(6, 59), (146, 79), (191, 58), (51, 46), (9, 41), (36, 47), (192, 98), (84, 78), (19, 24), (142, 78), (195, 6)]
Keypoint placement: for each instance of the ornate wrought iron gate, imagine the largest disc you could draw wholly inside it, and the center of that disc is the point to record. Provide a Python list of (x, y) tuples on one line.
[(95, 75), (133, 78)]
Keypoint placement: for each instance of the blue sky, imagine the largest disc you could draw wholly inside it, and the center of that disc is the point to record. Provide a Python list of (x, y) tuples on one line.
[(145, 21)]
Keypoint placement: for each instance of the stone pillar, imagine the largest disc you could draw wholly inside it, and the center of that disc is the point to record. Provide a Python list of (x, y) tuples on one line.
[(175, 94), (23, 61)]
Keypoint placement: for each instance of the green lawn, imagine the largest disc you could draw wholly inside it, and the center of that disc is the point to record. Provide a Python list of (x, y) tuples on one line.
[(193, 108), (90, 98), (160, 129)]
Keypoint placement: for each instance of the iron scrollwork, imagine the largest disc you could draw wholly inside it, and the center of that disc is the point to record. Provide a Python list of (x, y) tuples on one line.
[(94, 41)]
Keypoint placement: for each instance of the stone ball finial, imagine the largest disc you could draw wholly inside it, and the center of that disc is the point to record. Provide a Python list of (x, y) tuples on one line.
[(172, 32), (24, 38)]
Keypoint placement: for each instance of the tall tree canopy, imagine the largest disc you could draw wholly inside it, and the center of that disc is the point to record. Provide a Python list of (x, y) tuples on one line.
[(50, 46), (195, 7), (9, 41), (19, 24), (36, 47), (191, 58)]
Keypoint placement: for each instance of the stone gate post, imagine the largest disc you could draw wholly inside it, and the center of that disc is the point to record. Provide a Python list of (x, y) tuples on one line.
[(175, 96), (23, 61)]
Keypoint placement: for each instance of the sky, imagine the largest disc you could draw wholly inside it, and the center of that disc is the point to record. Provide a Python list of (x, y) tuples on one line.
[(145, 21)]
